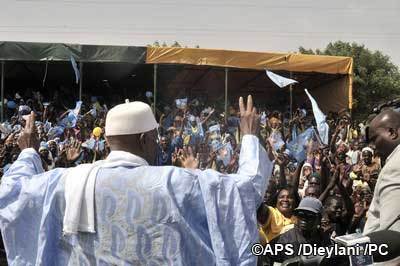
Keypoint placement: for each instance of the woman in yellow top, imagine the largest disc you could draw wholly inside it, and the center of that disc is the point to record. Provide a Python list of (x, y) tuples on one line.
[(279, 219)]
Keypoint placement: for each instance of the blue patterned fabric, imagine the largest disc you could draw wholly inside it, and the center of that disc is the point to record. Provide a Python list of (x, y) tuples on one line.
[(145, 215)]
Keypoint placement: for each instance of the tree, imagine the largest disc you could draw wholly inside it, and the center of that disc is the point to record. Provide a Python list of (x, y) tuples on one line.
[(176, 44), (164, 44), (376, 78)]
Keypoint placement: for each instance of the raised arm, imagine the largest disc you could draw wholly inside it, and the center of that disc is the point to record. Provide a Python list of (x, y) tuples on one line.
[(296, 179), (208, 116), (333, 140), (254, 162), (325, 171), (28, 162), (348, 203), (234, 199), (17, 180), (282, 177), (334, 179)]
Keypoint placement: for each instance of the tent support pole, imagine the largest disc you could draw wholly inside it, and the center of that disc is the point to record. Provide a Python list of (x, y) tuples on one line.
[(226, 94), (155, 88), (2, 90), (80, 80), (291, 97)]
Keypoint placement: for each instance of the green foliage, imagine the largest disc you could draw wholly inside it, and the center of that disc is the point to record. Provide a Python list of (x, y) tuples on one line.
[(376, 78), (176, 44), (164, 44)]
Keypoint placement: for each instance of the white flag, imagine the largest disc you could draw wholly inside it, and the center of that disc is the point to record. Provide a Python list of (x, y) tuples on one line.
[(320, 120), (77, 109), (279, 80), (76, 70)]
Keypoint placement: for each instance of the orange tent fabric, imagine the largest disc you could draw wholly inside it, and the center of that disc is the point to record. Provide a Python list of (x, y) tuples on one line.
[(272, 61)]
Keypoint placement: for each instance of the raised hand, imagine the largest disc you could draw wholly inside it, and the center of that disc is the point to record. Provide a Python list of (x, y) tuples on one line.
[(249, 119), (174, 157), (73, 151), (188, 159), (10, 139), (29, 137)]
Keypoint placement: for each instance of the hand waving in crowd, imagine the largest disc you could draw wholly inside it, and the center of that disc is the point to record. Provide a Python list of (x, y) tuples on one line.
[(185, 158), (29, 137), (249, 119), (73, 151)]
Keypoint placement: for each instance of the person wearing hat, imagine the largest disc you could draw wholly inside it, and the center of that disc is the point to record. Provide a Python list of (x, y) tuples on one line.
[(307, 230), (46, 156), (124, 211), (53, 148)]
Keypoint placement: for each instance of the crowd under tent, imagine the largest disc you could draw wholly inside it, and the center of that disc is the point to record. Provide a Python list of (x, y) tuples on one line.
[(210, 75)]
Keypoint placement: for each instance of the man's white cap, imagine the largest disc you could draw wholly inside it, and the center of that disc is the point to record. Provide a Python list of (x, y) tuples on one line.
[(130, 118), (368, 149)]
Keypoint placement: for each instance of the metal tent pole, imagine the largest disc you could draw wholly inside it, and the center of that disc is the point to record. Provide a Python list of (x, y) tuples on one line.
[(80, 80), (2, 90), (291, 98), (226, 94), (155, 88)]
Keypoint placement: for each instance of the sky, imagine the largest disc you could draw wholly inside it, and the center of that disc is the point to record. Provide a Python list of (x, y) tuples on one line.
[(259, 25)]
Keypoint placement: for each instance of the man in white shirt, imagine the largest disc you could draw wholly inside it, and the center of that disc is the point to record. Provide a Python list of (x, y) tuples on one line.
[(123, 211)]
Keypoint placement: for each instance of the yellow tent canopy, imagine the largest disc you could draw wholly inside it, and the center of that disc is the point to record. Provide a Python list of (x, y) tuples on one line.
[(331, 76)]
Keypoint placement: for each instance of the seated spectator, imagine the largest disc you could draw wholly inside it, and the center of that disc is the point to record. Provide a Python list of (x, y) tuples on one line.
[(368, 166)]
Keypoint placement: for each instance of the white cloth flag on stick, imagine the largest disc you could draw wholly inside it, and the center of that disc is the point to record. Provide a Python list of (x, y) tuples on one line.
[(279, 80), (76, 70), (320, 120)]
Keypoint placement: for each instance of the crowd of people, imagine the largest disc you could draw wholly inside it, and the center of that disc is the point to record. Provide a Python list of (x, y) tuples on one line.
[(339, 175)]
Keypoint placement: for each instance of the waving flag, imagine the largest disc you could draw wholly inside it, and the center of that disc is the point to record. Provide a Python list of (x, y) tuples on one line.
[(70, 120), (276, 140), (55, 132), (297, 147), (76, 70), (279, 80), (77, 109), (181, 103), (320, 120)]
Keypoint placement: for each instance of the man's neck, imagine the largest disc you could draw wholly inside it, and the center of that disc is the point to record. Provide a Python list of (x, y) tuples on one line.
[(395, 149)]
